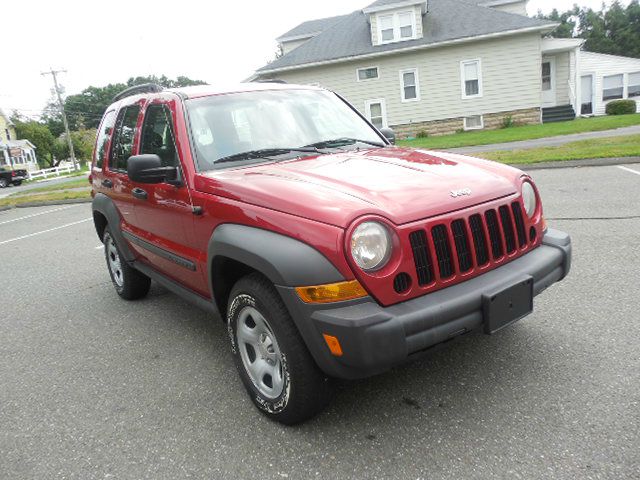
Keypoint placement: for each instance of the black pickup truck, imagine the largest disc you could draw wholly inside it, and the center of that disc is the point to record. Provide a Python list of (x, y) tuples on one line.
[(9, 176)]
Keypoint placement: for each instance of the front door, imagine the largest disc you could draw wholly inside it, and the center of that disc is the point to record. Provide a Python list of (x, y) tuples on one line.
[(163, 212), (586, 89), (548, 82)]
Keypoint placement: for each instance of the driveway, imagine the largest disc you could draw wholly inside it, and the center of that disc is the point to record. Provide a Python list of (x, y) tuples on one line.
[(93, 387), (548, 141)]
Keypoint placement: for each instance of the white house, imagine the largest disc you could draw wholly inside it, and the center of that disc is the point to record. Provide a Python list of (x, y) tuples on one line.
[(13, 152), (440, 65)]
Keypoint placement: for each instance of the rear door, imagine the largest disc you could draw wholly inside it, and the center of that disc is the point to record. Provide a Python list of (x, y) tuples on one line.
[(123, 144), (163, 212)]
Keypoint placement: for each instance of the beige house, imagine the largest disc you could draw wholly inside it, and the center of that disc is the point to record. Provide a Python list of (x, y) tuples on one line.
[(438, 65), (15, 153)]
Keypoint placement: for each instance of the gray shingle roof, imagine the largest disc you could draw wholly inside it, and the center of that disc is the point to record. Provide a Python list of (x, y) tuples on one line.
[(446, 20), (311, 27)]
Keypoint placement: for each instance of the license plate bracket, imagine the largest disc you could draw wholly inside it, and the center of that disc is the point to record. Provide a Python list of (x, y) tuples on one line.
[(507, 305)]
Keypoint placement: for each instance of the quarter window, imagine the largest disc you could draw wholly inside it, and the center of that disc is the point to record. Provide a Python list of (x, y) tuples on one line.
[(634, 84), (612, 87), (103, 137), (122, 147), (368, 73), (471, 78), (396, 27), (409, 83), (157, 135)]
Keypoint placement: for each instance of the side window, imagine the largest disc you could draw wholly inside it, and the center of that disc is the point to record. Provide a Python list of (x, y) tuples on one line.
[(122, 144), (157, 135), (103, 137)]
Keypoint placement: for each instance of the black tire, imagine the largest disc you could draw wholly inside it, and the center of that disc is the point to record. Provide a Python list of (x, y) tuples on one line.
[(18, 183), (128, 282), (307, 390), (3, 183)]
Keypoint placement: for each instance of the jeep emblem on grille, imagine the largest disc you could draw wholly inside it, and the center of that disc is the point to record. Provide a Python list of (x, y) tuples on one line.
[(461, 193)]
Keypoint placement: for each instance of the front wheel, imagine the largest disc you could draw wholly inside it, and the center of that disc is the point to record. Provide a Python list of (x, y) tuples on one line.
[(274, 364), (17, 183), (3, 183), (128, 282)]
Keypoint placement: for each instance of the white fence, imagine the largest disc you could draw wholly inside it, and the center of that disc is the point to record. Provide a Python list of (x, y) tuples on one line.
[(50, 172)]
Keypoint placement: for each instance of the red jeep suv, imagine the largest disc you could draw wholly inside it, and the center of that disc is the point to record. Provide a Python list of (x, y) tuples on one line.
[(326, 250)]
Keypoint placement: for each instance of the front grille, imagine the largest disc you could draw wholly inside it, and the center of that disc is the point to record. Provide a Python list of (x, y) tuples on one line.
[(472, 241), (443, 250), (422, 257)]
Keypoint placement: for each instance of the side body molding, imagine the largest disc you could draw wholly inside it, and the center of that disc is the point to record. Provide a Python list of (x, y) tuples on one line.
[(103, 204), (284, 260)]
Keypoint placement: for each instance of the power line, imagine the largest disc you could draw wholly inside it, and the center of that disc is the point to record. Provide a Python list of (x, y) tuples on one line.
[(54, 74)]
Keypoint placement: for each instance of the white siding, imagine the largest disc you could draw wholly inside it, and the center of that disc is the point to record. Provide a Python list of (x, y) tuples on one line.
[(563, 70), (604, 65), (510, 77), (292, 45)]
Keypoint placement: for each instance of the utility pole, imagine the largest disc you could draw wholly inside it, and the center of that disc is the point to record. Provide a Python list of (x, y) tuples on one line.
[(54, 74)]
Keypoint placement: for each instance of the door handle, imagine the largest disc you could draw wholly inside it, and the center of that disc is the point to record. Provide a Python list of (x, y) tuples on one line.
[(107, 183), (139, 193)]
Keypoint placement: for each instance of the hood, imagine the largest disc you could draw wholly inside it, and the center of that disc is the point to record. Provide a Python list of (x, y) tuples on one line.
[(401, 184)]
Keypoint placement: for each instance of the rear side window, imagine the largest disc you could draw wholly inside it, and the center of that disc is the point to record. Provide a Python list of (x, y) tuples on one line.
[(157, 135), (122, 145), (103, 137)]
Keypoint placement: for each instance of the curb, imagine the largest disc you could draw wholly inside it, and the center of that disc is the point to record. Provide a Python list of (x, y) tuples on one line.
[(589, 162)]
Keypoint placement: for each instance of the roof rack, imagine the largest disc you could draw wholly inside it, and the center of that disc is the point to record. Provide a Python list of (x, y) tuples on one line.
[(271, 80), (136, 89)]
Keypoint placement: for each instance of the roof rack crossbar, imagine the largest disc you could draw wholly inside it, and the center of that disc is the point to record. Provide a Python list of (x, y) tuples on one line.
[(136, 89)]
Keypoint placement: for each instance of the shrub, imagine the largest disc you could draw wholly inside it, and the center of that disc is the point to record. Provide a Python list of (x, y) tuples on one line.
[(621, 107), (507, 122), (422, 134)]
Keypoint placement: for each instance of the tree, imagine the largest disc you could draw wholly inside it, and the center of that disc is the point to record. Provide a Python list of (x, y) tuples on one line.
[(614, 30), (85, 109), (83, 142), (40, 136)]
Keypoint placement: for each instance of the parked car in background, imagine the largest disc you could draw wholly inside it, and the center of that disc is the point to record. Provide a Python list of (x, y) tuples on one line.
[(9, 176), (326, 250)]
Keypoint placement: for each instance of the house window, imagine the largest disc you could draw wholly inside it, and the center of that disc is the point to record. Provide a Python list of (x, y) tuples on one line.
[(612, 87), (546, 76), (634, 85), (410, 91), (6, 131), (475, 122), (376, 112), (396, 27), (471, 73), (368, 73)]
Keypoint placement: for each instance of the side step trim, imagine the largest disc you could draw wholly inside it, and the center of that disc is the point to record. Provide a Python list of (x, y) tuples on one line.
[(198, 300), (161, 252)]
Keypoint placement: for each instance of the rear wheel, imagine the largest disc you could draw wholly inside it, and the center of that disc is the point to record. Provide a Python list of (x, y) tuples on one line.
[(128, 282), (274, 364), (17, 183)]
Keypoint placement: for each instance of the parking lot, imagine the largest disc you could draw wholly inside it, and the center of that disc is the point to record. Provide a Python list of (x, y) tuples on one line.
[(95, 387)]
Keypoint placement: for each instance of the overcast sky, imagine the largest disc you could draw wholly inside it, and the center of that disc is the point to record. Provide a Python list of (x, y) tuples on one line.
[(218, 42)]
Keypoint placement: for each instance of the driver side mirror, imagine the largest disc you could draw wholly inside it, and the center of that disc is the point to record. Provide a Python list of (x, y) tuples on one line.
[(148, 168), (389, 135)]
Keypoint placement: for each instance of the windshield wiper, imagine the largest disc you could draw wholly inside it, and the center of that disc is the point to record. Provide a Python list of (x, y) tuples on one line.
[(264, 153), (341, 142)]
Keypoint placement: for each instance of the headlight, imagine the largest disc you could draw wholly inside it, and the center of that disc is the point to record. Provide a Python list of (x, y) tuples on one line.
[(371, 246), (529, 199)]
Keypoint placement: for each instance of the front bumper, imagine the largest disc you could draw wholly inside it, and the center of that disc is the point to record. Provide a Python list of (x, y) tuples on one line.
[(376, 338)]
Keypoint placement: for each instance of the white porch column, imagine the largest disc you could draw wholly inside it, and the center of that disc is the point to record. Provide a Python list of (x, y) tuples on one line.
[(578, 80)]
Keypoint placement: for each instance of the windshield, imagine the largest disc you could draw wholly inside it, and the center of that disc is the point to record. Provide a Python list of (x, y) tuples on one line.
[(240, 128)]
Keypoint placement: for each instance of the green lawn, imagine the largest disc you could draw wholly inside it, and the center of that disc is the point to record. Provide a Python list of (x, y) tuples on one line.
[(526, 132), (81, 182), (625, 146), (45, 197)]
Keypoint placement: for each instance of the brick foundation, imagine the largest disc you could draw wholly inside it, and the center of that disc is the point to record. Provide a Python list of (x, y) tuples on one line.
[(452, 125)]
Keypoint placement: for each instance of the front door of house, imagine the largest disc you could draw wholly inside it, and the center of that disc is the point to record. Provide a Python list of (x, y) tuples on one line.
[(548, 82), (586, 94)]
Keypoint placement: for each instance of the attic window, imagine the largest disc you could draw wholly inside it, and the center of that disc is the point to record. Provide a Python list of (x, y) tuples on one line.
[(396, 27), (368, 73)]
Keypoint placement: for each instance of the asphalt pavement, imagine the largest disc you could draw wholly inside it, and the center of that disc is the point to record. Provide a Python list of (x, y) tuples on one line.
[(92, 386), (25, 187)]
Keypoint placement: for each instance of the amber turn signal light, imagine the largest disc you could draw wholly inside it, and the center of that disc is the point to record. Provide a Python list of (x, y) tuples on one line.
[(333, 344), (333, 292)]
